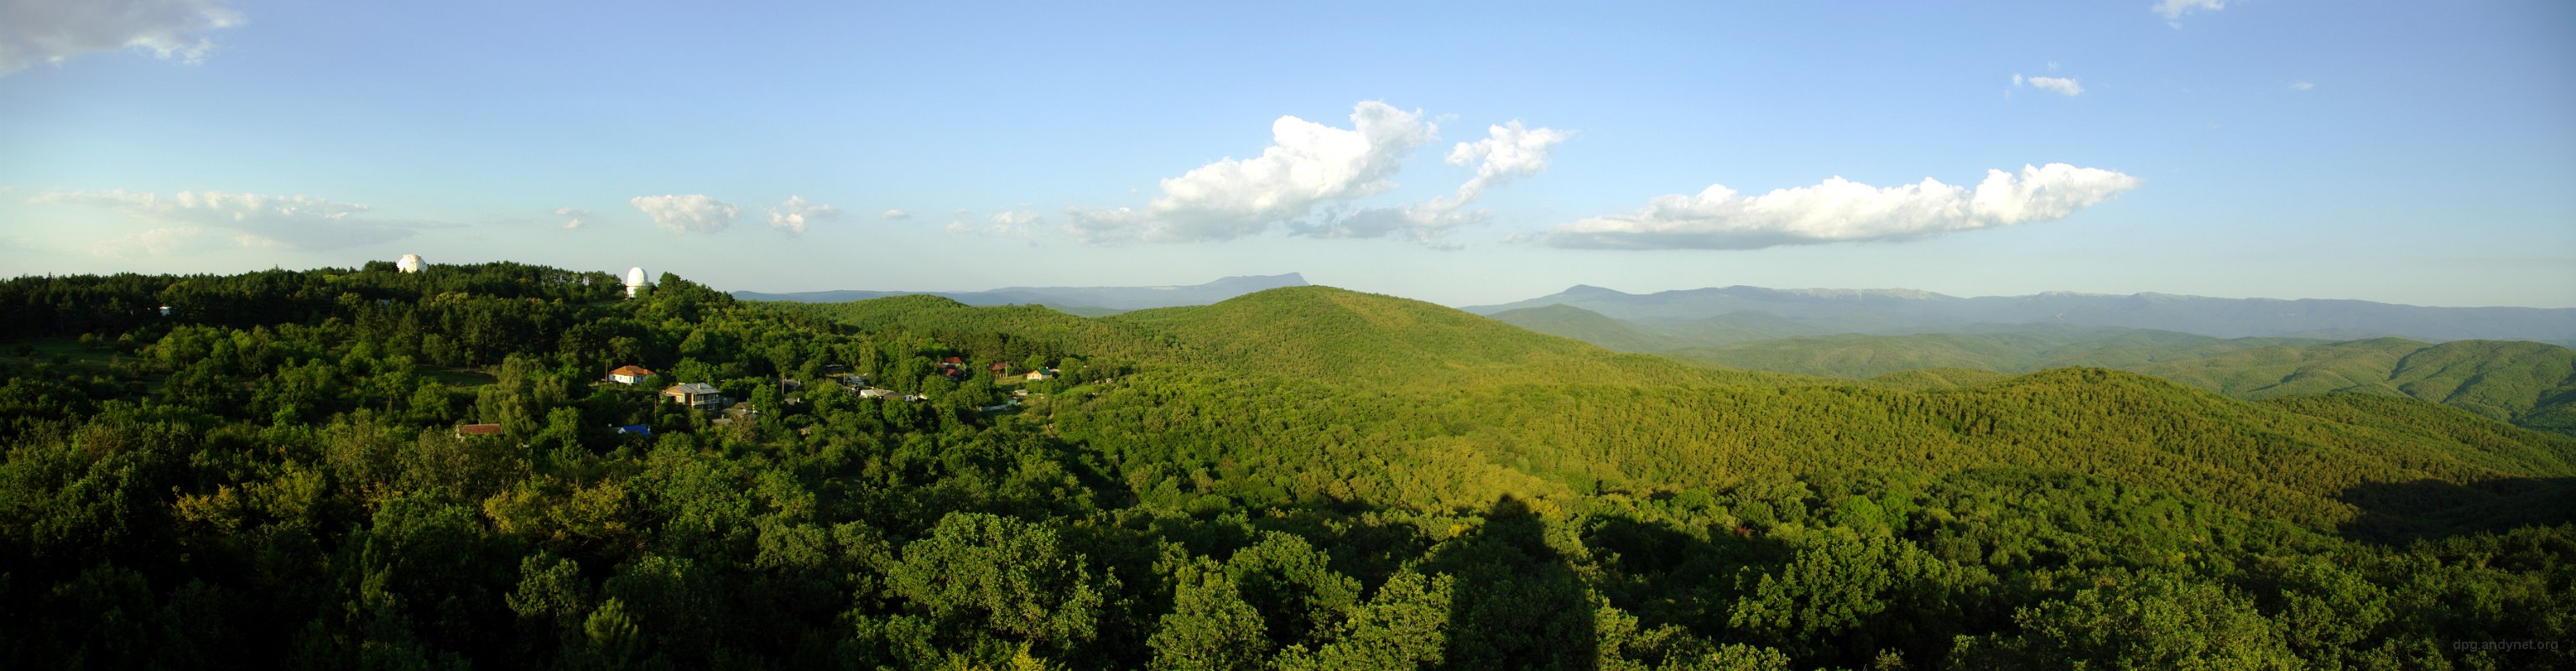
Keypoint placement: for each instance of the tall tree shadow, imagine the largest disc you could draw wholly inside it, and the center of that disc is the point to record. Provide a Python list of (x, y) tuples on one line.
[(2402, 512), (1518, 603)]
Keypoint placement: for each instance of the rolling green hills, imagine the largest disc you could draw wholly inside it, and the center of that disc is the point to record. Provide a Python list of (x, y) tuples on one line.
[(1294, 479), (2529, 384), (1572, 322), (1339, 336), (2525, 383), (1362, 384), (1481, 410), (1853, 355)]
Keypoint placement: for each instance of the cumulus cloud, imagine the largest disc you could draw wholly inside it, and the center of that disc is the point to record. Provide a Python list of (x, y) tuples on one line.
[(2302, 86), (895, 215), (301, 222), (693, 213), (575, 217), (1839, 210), (792, 215), (2173, 10), (1307, 165), (2064, 85), (49, 31), (1508, 151)]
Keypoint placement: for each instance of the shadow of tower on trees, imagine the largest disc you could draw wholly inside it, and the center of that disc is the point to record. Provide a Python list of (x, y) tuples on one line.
[(1519, 603)]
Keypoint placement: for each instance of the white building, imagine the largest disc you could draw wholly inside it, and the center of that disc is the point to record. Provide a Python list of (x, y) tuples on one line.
[(635, 282), (411, 263)]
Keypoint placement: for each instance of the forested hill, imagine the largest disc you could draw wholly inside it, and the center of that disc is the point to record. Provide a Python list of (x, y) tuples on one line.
[(345, 468), (1896, 311), (1340, 336), (1588, 326), (2526, 383)]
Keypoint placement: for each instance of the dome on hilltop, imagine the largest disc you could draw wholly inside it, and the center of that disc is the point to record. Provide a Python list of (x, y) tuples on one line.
[(635, 282), (410, 263)]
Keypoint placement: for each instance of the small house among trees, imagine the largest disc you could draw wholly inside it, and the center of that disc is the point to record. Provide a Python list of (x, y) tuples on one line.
[(463, 430), (629, 374), (696, 395)]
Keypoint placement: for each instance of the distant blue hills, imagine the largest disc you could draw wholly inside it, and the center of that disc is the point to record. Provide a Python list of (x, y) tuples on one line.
[(1086, 301), (1716, 315), (1752, 313)]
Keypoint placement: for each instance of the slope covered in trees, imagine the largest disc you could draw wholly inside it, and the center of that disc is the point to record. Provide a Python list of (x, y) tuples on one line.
[(2526, 383), (2013, 351), (1299, 479), (1567, 321)]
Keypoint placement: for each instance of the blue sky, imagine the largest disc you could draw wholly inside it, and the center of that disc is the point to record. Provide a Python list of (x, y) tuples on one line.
[(2417, 153)]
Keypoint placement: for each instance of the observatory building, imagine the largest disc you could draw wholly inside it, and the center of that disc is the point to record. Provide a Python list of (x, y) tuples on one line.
[(635, 282), (410, 263)]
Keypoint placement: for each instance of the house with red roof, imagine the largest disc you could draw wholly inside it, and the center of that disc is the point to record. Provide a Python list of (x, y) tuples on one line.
[(629, 375)]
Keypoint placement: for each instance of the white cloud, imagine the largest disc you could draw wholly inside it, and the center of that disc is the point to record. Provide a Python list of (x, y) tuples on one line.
[(791, 216), (1307, 165), (576, 217), (1426, 223), (895, 215), (1843, 211), (301, 222), (155, 242), (1016, 224), (2303, 86), (2173, 10), (49, 31), (2064, 85), (693, 213), (1507, 152)]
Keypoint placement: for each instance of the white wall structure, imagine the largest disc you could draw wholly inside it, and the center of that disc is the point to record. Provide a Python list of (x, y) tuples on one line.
[(411, 263)]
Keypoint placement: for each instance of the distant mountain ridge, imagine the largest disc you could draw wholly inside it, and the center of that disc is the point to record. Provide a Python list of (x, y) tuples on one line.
[(1899, 311), (1100, 299)]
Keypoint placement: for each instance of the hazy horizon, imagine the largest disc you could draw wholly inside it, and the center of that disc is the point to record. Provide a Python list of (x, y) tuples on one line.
[(2402, 154)]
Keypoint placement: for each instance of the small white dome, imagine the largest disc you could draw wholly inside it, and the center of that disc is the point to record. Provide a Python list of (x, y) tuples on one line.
[(635, 277), (410, 263)]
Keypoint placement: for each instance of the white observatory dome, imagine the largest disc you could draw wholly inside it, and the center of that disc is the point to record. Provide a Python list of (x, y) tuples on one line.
[(410, 263), (635, 282)]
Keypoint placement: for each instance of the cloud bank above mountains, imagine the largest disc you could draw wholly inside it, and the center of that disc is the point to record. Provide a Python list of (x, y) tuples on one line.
[(1840, 210)]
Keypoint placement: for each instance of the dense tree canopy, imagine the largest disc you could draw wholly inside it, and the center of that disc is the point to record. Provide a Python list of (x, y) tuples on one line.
[(278, 474)]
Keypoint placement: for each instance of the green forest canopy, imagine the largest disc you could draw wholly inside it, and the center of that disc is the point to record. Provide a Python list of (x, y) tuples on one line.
[(1298, 478)]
